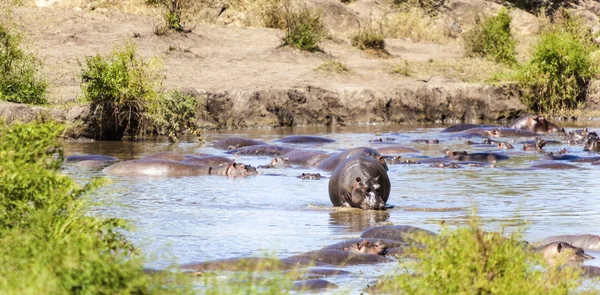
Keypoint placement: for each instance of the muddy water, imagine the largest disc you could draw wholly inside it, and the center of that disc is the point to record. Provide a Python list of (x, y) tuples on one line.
[(192, 219)]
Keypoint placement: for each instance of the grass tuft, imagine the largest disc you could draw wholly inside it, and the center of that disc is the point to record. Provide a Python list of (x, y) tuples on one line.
[(333, 66)]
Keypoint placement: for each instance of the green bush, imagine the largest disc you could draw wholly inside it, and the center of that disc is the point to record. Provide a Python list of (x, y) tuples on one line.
[(120, 87), (369, 37), (469, 260), (491, 38), (304, 29), (175, 113), (557, 76), (20, 79), (176, 12), (49, 243)]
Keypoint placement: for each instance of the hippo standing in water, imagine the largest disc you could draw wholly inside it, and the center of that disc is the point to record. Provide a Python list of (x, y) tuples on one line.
[(534, 123), (334, 161), (360, 182)]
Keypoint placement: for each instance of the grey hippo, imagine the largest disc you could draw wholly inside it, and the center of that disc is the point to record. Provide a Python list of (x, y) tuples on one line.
[(91, 161), (167, 155), (306, 157), (476, 157), (207, 160), (463, 127), (331, 163), (360, 182), (173, 168), (534, 123), (554, 166), (562, 252), (305, 139), (261, 150), (587, 242), (236, 142), (401, 233), (277, 163), (396, 149), (313, 285), (337, 257), (508, 132), (593, 143)]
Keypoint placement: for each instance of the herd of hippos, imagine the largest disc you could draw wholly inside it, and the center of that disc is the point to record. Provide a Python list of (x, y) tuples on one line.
[(359, 179)]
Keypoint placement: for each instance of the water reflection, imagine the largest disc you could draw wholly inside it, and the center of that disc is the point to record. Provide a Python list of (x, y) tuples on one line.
[(352, 220)]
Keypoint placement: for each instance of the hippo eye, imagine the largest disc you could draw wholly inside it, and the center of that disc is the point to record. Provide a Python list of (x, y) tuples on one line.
[(358, 179)]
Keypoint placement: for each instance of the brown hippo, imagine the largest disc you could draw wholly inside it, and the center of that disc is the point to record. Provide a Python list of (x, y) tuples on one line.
[(474, 132), (208, 160), (313, 285), (536, 145), (277, 163), (477, 157), (366, 247), (463, 127), (261, 150), (305, 139), (554, 166), (577, 136), (593, 143), (236, 142), (561, 252), (360, 182), (396, 149), (234, 169), (427, 141), (587, 242), (508, 132), (173, 168), (534, 123), (333, 161), (167, 155), (401, 233), (306, 157), (450, 165), (381, 140)]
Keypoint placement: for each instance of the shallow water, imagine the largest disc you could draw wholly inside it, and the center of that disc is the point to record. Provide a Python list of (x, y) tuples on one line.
[(193, 219)]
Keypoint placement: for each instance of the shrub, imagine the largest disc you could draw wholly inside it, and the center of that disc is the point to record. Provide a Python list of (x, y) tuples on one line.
[(369, 37), (304, 29), (174, 113), (414, 23), (120, 87), (491, 38), (471, 261), (20, 79), (49, 243), (175, 15), (557, 76), (272, 13), (402, 69), (333, 66)]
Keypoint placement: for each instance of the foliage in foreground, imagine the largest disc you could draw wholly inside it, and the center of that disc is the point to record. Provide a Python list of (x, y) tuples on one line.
[(471, 261), (120, 87), (304, 29), (491, 38), (48, 242), (558, 75), (20, 78)]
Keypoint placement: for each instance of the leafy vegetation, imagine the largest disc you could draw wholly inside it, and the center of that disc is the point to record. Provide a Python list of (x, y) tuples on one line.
[(304, 29), (470, 260), (120, 87), (368, 37), (557, 76), (49, 244), (176, 112), (491, 38), (414, 23), (272, 13), (20, 78), (176, 13)]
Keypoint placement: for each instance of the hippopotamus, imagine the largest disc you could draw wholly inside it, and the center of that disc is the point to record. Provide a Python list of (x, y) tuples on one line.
[(474, 132), (451, 165), (427, 141), (561, 157), (337, 257), (534, 123), (261, 150), (590, 271), (505, 146), (306, 157), (561, 252), (241, 264), (167, 155), (236, 142), (360, 182), (586, 159), (463, 127), (587, 242), (306, 139), (537, 144), (401, 233), (313, 285), (333, 161), (173, 168), (397, 149), (366, 245), (317, 272), (554, 166), (277, 163), (79, 158), (208, 160), (577, 136), (398, 160), (593, 143), (380, 140), (508, 132), (477, 157), (310, 176)]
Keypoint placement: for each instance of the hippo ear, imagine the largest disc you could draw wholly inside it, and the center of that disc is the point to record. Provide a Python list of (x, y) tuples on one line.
[(234, 164), (559, 247), (358, 246)]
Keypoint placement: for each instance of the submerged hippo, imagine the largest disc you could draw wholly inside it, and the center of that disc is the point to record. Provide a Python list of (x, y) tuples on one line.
[(337, 257), (463, 127), (313, 285), (400, 233), (562, 252), (79, 158), (168, 155), (593, 143), (277, 163), (534, 123), (236, 142), (367, 247), (310, 176), (333, 161), (360, 182), (508, 132), (208, 160), (396, 149), (477, 157), (173, 168), (306, 157), (306, 139), (554, 166), (261, 150), (587, 242), (537, 144)]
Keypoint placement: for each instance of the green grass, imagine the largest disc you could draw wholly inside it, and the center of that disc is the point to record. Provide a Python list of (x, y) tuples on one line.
[(304, 29), (491, 38)]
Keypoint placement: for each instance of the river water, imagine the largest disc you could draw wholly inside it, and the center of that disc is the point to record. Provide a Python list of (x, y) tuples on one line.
[(192, 219)]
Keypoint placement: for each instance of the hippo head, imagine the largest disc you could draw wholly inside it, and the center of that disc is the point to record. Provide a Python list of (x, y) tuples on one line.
[(493, 133), (563, 253), (592, 143), (539, 124), (367, 194), (280, 163), (366, 247), (239, 169)]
